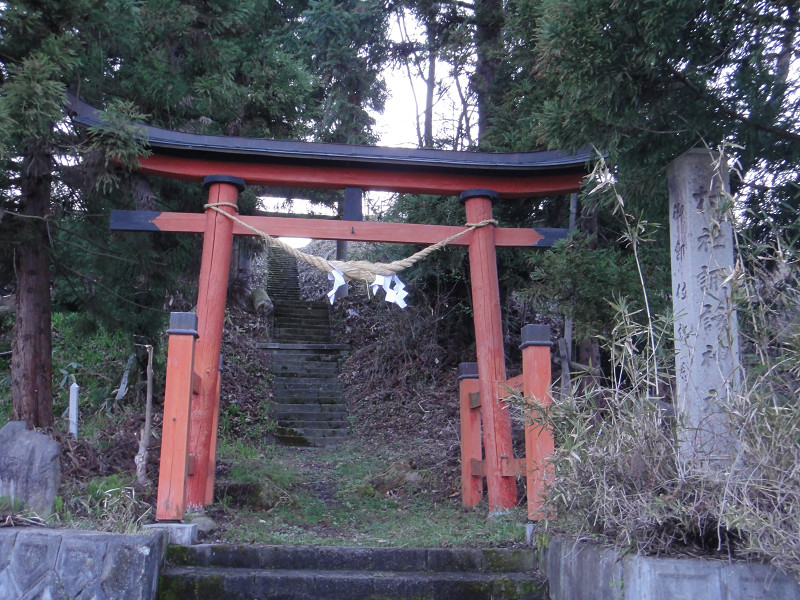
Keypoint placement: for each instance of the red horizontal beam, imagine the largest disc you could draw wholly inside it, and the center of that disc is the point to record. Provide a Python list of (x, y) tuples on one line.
[(372, 178), (358, 231)]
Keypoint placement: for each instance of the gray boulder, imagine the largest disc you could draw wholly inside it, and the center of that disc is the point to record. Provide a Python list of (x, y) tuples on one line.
[(30, 468)]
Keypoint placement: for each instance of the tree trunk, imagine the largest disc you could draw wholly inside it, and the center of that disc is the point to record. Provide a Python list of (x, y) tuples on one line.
[(31, 346), (430, 84), (489, 21)]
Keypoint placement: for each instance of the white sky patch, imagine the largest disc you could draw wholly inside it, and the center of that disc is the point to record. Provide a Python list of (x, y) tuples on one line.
[(403, 115)]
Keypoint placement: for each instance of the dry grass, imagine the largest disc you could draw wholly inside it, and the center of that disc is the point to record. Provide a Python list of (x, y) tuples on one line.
[(617, 475)]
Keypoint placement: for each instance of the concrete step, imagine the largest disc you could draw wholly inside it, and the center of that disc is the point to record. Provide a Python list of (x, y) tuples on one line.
[(308, 381), (305, 393), (301, 572), (305, 363), (289, 410), (309, 399), (301, 310), (303, 330), (234, 584), (322, 324), (304, 322), (283, 294), (282, 359), (303, 349), (302, 423), (303, 337), (304, 396), (309, 369)]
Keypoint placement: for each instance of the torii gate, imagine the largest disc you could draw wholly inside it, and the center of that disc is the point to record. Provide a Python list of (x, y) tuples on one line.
[(225, 165)]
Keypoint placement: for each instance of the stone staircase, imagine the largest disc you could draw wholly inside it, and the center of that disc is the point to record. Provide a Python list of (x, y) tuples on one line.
[(233, 572), (305, 362)]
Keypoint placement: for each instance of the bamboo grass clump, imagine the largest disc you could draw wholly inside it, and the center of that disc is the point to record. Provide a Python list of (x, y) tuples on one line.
[(617, 476)]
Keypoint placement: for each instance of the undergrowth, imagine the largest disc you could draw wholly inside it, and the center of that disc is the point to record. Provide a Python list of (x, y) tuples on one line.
[(618, 475), (350, 496)]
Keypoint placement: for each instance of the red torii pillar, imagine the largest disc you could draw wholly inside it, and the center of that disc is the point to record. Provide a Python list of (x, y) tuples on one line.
[(211, 296), (501, 489)]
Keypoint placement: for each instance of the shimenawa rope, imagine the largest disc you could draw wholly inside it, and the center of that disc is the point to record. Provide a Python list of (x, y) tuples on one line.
[(354, 269)]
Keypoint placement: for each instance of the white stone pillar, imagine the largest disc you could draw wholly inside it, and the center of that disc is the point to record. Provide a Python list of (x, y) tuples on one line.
[(706, 330)]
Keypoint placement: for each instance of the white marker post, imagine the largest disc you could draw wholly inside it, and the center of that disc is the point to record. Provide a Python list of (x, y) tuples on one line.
[(73, 409)]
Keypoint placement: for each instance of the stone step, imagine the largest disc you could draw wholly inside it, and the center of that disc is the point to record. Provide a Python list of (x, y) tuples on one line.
[(306, 370), (190, 583), (289, 410), (334, 422), (309, 360), (283, 294), (302, 394), (295, 398), (305, 318), (299, 335), (306, 362), (333, 389), (322, 322), (480, 560), (282, 327), (305, 358), (293, 572), (298, 308), (323, 420), (307, 349)]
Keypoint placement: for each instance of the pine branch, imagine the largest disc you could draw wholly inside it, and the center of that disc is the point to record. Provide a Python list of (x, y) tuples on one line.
[(750, 122)]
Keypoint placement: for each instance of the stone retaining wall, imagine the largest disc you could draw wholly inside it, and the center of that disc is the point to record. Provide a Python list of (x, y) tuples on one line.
[(582, 571), (65, 564)]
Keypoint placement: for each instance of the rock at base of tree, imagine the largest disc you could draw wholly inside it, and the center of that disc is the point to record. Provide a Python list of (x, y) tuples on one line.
[(259, 300), (204, 523), (30, 471)]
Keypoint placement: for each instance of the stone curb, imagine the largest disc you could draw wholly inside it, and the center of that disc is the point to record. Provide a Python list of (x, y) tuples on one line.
[(584, 571), (63, 563)]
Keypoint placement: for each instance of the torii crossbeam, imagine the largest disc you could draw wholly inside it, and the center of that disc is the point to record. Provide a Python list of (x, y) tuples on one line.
[(226, 164)]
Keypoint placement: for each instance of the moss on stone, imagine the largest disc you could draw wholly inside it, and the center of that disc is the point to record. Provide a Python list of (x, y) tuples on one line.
[(178, 555), (500, 560)]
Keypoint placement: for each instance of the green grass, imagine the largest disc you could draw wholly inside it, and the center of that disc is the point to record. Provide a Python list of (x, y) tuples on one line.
[(95, 358), (91, 356), (349, 496)]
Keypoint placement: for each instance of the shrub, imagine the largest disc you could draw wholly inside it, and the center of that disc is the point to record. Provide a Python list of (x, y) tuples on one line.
[(616, 474)]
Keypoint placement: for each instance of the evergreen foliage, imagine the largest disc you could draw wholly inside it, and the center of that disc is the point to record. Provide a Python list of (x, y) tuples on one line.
[(206, 67), (346, 48), (645, 81)]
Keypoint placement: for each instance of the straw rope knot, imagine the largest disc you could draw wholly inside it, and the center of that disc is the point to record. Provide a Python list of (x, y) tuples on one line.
[(352, 270)]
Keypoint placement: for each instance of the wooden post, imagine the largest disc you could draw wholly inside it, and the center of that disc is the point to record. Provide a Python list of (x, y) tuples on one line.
[(174, 465), (502, 490), (212, 290), (471, 450), (536, 385), (351, 211)]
